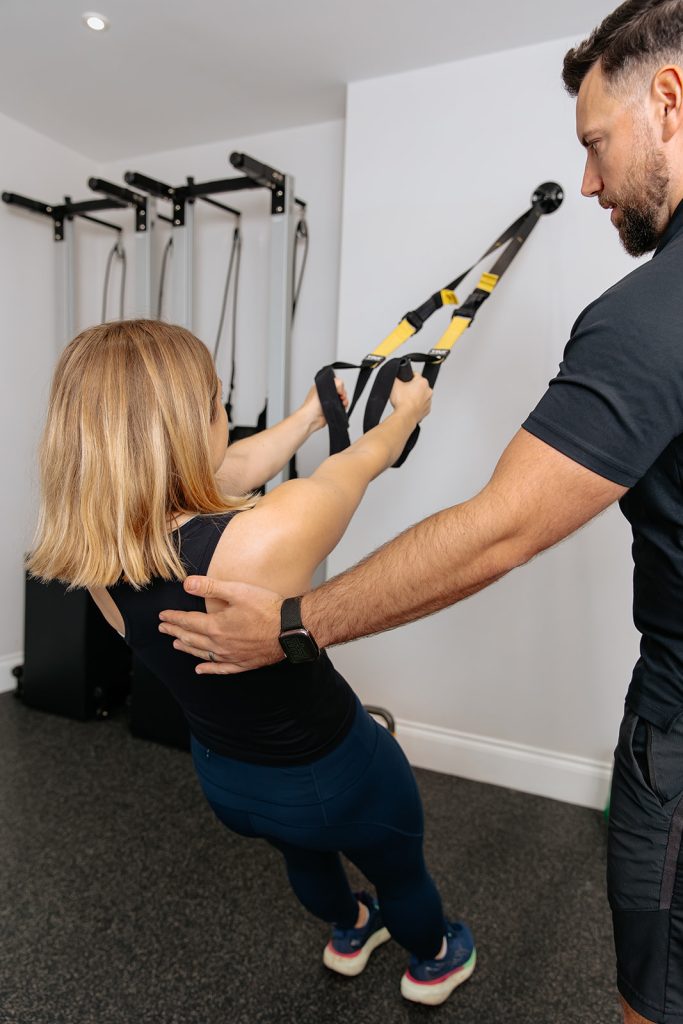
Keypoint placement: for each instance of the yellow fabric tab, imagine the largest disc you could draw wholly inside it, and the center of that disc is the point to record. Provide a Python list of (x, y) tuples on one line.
[(457, 326), (488, 282), (448, 297), (396, 338)]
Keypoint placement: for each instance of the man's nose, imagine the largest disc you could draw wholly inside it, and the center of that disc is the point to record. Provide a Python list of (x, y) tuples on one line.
[(592, 184)]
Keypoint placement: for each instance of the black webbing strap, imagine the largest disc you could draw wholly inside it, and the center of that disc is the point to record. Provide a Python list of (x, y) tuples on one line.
[(545, 199), (414, 321), (379, 397), (418, 317), (466, 313), (333, 410), (338, 419)]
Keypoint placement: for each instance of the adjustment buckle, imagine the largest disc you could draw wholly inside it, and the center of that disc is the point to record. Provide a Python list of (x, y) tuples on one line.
[(372, 361), (415, 320), (438, 355)]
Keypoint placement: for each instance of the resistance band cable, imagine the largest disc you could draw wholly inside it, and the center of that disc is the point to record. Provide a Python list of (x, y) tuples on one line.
[(116, 252), (168, 248), (233, 265), (301, 235), (301, 239), (545, 199)]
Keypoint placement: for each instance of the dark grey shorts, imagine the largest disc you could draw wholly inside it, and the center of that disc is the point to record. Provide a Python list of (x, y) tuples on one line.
[(645, 869)]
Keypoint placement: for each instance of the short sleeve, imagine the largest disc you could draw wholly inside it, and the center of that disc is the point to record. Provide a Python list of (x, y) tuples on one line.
[(617, 401)]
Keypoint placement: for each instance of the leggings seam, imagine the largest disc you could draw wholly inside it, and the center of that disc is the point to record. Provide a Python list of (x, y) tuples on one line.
[(321, 802)]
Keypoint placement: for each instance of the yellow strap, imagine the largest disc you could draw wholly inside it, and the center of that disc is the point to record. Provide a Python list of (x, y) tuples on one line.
[(488, 282), (393, 340), (457, 326), (448, 297)]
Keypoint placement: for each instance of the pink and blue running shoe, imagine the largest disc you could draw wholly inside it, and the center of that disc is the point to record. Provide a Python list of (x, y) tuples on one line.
[(432, 981), (349, 949)]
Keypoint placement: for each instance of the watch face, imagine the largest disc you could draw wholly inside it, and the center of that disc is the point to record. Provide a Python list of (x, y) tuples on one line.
[(299, 646)]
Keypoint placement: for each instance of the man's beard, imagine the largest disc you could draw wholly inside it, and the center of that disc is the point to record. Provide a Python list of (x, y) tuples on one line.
[(642, 202)]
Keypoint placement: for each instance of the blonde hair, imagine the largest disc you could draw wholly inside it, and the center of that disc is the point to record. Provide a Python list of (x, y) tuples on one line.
[(126, 448)]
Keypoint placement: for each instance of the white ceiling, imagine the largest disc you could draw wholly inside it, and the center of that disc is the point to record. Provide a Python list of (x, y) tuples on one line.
[(172, 73)]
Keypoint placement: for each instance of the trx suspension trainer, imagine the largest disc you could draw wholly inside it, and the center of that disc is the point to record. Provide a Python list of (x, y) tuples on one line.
[(546, 199)]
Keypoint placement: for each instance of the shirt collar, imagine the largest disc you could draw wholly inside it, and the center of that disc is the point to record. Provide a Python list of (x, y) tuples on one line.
[(673, 228)]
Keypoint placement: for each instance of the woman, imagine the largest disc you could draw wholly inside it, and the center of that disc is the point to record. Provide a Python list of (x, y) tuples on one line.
[(136, 494)]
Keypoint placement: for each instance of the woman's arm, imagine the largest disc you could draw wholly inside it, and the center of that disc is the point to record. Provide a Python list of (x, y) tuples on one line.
[(250, 463), (280, 542), (106, 605)]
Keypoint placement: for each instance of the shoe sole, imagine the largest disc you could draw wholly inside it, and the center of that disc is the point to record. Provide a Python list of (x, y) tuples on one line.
[(433, 993), (352, 964)]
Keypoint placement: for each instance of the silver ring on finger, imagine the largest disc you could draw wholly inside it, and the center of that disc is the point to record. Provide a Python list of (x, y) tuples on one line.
[(212, 656)]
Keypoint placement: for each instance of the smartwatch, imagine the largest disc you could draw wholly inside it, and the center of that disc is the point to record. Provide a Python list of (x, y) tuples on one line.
[(295, 640)]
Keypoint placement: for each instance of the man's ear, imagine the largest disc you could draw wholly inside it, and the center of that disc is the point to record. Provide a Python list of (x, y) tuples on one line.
[(667, 97)]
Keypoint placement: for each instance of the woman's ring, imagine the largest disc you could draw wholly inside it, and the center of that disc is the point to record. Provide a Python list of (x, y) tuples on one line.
[(212, 656)]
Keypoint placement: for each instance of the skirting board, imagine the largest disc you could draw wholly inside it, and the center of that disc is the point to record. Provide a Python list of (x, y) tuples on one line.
[(7, 680), (574, 780)]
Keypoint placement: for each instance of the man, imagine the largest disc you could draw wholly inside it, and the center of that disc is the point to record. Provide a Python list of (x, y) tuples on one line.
[(610, 427)]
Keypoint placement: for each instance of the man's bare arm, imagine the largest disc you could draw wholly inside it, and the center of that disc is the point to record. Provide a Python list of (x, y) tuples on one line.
[(535, 498)]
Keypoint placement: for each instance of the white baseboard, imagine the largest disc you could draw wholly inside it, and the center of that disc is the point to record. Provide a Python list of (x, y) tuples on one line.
[(7, 663), (575, 780)]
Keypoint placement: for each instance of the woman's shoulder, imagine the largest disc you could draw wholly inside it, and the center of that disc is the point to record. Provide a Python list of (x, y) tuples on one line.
[(262, 545)]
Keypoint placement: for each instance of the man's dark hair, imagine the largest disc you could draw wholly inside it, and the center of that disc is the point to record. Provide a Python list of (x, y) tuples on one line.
[(637, 32)]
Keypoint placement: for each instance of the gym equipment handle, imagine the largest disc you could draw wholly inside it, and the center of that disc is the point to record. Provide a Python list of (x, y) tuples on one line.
[(405, 370)]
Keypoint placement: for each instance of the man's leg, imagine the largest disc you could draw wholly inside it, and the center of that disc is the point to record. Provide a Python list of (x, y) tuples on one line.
[(644, 871), (630, 1016)]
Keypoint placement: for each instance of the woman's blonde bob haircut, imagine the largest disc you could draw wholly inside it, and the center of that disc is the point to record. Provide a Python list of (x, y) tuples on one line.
[(126, 449)]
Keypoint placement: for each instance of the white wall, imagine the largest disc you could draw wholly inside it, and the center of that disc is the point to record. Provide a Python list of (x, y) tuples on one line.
[(35, 166), (522, 684)]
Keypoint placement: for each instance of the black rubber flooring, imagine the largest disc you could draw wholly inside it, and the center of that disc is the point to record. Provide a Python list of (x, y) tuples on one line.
[(123, 901)]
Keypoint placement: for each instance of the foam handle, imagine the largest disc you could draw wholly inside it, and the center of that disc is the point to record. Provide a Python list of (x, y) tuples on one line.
[(405, 371)]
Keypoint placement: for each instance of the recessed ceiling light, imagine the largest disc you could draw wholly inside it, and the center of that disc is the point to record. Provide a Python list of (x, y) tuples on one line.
[(97, 22)]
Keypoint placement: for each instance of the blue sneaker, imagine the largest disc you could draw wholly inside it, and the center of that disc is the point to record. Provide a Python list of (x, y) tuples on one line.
[(432, 981), (349, 949)]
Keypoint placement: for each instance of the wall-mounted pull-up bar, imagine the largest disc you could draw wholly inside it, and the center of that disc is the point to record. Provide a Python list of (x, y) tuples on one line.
[(254, 175), (62, 215), (145, 220)]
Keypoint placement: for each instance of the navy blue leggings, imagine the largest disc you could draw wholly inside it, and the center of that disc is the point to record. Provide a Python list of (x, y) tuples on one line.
[(360, 800)]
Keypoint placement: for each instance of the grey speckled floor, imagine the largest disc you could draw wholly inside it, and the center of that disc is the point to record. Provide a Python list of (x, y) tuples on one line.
[(122, 901)]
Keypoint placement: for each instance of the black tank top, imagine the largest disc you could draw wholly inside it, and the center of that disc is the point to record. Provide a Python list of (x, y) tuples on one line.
[(279, 715)]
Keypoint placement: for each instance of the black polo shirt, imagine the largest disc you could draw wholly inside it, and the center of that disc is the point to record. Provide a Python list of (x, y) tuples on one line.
[(616, 407)]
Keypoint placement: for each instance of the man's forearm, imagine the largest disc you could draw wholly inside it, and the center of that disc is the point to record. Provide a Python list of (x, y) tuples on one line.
[(536, 497), (441, 560)]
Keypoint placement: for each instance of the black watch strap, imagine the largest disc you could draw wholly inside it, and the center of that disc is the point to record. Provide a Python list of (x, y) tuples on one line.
[(295, 640), (290, 614)]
